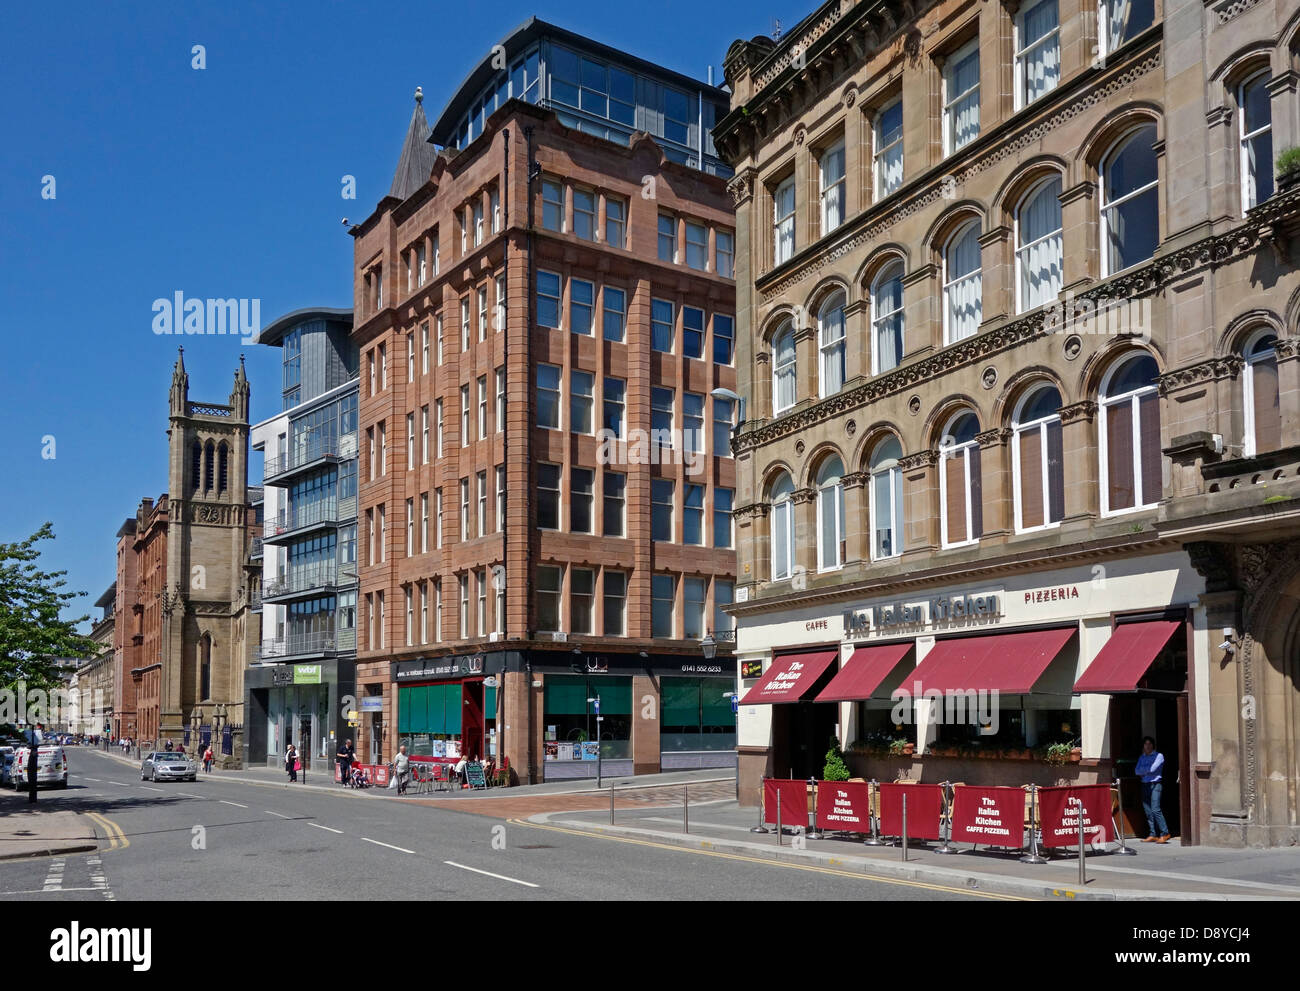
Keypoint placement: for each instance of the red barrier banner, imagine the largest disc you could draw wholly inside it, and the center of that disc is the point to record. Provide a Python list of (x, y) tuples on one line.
[(793, 796), (338, 774), (993, 816), (924, 809), (844, 805), (1059, 810)]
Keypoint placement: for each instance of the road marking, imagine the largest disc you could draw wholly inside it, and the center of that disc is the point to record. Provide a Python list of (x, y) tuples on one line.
[(319, 826), (389, 845), (775, 863), (499, 877), (42, 891), (54, 877), (190, 794), (276, 814), (147, 788), (96, 780), (120, 784), (224, 802), (117, 838)]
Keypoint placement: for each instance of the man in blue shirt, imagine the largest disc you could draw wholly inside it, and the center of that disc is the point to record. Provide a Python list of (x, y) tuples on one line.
[(1150, 768)]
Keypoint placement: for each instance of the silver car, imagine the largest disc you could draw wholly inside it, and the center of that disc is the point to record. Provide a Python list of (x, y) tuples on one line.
[(163, 765)]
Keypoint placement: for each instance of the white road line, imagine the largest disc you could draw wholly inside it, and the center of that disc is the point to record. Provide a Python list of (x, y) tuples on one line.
[(276, 814), (499, 877), (120, 784), (319, 826), (147, 788), (389, 845), (42, 891), (190, 794), (96, 780), (224, 802)]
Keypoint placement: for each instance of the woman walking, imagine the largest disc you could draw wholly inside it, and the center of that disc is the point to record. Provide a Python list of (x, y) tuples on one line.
[(402, 768), (291, 763), (207, 761)]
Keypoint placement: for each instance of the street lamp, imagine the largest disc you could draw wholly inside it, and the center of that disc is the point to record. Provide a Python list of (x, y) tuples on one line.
[(596, 700), (709, 646)]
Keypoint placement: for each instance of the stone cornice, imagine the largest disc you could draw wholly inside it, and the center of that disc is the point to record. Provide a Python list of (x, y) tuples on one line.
[(755, 510), (801, 497), (921, 459), (1084, 410), (994, 437), (741, 186), (1211, 370), (854, 479)]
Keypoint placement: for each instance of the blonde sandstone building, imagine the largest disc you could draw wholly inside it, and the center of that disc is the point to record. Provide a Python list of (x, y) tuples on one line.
[(1017, 312)]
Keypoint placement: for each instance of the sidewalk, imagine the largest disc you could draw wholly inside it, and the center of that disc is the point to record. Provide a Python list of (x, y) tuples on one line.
[(41, 834), (1168, 872)]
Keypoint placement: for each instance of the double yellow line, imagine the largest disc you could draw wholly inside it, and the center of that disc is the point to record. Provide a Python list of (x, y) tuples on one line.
[(773, 863), (116, 838)]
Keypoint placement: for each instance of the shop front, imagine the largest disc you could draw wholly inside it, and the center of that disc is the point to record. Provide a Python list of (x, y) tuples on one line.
[(1047, 678), (299, 704), (450, 707)]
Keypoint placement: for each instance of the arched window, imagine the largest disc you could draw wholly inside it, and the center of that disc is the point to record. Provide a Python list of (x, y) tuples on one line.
[(886, 500), (1038, 245), (1255, 118), (830, 515), (830, 344), (782, 516), (784, 367), (1037, 460), (887, 318), (963, 285), (209, 457), (223, 453), (1130, 222), (196, 465), (960, 490), (1130, 436), (1263, 417)]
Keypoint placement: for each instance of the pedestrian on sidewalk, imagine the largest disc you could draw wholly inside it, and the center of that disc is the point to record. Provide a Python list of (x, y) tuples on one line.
[(346, 756), (291, 763), (402, 768), (170, 746), (1150, 768), (207, 761)]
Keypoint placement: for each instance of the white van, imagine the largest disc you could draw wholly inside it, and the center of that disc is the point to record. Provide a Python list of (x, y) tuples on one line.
[(51, 766)]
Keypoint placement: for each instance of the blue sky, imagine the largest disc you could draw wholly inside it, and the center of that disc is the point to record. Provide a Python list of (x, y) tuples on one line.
[(220, 182)]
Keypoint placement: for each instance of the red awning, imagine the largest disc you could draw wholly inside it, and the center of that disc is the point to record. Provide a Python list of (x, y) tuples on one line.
[(791, 677), (1121, 663), (1009, 663), (864, 672)]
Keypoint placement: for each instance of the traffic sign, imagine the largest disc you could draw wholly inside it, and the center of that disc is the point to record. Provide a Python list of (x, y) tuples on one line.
[(735, 704)]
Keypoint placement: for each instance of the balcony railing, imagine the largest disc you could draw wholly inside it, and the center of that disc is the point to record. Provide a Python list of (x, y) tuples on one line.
[(299, 580), (301, 455), (303, 644), (313, 514)]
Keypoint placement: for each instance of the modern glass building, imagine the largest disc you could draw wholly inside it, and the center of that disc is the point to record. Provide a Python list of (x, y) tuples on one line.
[(591, 87), (306, 661)]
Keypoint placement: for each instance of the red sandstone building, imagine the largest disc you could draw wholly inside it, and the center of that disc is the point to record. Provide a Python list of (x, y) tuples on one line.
[(546, 479)]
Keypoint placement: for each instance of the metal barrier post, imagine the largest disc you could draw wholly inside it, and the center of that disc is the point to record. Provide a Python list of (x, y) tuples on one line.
[(946, 846), (904, 827), (1032, 856), (686, 804), (1083, 877), (812, 832), (873, 796), (611, 803), (778, 818), (762, 797), (1119, 825)]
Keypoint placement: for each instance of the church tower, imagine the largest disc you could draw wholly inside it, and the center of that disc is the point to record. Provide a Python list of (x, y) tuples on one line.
[(202, 653)]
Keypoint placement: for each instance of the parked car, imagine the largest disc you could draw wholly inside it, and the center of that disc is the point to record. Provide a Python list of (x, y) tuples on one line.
[(163, 765), (6, 764), (51, 766)]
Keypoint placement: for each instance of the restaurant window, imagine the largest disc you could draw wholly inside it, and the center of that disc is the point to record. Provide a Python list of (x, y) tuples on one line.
[(960, 488), (1260, 384), (1130, 436), (696, 715), (1037, 458), (570, 720), (429, 720)]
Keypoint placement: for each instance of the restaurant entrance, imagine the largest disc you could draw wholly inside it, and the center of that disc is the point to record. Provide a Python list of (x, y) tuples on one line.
[(801, 734)]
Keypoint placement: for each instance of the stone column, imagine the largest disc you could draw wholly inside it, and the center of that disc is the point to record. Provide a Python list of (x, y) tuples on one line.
[(1081, 264), (1079, 449), (760, 390), (806, 374), (857, 340), (922, 312), (920, 502), (997, 505), (997, 277), (857, 518)]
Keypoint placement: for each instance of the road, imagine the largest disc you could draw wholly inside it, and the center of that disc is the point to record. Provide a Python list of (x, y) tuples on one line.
[(224, 837)]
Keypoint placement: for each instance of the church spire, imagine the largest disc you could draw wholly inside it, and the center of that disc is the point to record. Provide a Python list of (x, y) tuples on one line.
[(418, 156), (239, 395), (180, 391)]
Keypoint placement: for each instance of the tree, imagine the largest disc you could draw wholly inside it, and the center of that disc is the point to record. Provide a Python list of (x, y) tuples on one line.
[(32, 633)]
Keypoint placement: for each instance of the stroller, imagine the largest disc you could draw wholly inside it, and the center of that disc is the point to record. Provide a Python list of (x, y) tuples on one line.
[(358, 778)]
